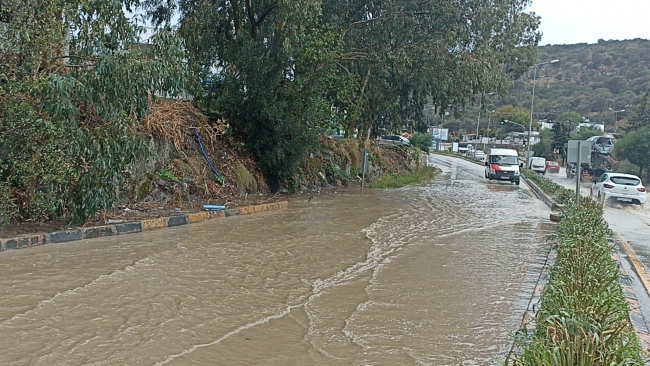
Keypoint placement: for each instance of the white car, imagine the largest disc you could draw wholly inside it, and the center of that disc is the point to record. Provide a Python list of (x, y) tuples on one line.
[(479, 154), (393, 140), (620, 188)]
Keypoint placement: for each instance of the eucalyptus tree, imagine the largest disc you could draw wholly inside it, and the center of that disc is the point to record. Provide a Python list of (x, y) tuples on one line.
[(280, 69), (72, 86), (267, 66), (401, 52)]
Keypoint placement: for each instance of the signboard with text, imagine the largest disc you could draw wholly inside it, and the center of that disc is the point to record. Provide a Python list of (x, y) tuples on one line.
[(441, 134)]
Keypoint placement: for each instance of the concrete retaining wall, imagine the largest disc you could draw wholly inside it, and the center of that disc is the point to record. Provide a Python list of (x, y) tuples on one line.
[(31, 240)]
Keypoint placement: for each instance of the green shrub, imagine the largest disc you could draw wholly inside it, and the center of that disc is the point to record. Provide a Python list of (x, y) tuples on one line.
[(558, 193), (583, 319), (423, 141)]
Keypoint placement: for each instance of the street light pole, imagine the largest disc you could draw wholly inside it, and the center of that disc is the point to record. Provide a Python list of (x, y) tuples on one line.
[(490, 118), (532, 99)]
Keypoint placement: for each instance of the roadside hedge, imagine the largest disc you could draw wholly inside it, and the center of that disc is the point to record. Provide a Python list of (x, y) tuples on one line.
[(583, 319), (558, 193)]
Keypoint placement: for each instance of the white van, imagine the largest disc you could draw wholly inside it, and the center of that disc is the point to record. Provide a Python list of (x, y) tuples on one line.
[(502, 164), (537, 164)]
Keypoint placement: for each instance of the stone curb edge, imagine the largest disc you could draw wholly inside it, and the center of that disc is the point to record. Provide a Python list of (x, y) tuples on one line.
[(548, 201), (31, 240), (637, 319)]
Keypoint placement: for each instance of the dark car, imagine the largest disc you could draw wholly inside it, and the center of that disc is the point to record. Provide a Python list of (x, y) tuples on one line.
[(552, 167)]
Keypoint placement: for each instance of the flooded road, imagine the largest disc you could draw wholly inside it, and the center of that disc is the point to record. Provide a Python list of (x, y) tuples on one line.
[(433, 274), (630, 220)]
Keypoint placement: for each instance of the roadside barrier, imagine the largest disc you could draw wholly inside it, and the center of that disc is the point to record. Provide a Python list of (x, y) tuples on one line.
[(81, 233)]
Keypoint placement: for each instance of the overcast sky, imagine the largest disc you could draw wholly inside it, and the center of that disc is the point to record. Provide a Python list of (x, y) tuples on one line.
[(580, 21)]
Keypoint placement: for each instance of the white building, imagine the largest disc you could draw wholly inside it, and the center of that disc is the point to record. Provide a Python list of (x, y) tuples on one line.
[(545, 125), (599, 125)]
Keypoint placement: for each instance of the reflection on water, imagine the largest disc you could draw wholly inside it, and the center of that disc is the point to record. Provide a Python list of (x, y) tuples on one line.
[(436, 274)]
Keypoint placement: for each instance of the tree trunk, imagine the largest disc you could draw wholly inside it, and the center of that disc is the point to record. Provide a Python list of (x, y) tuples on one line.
[(349, 129)]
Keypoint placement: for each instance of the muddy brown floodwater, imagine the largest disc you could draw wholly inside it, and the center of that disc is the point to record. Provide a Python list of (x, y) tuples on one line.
[(434, 274)]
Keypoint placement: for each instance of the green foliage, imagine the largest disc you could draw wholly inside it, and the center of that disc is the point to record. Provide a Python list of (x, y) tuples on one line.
[(561, 132), (515, 114), (278, 71), (423, 141), (641, 116), (167, 174), (635, 147), (583, 319), (8, 209), (558, 193), (588, 81), (585, 132), (544, 147), (69, 102), (392, 181), (244, 179)]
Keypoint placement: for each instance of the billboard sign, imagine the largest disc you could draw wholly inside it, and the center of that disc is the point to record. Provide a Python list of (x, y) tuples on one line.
[(444, 134), (441, 134)]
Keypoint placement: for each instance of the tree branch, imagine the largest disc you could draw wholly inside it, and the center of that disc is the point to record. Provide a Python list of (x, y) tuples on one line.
[(251, 17), (259, 21), (383, 19)]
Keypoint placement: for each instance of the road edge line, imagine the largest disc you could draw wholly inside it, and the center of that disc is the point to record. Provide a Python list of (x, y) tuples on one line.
[(635, 261)]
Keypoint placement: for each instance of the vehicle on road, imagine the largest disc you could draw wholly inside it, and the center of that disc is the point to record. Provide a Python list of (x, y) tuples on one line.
[(502, 164), (571, 171), (537, 164), (601, 160), (619, 187), (552, 167), (393, 140), (479, 154)]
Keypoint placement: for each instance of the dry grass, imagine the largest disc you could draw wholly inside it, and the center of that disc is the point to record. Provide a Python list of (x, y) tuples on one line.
[(245, 180), (172, 122)]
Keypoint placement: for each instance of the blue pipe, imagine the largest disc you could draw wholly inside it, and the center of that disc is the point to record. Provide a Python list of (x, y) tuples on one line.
[(198, 139)]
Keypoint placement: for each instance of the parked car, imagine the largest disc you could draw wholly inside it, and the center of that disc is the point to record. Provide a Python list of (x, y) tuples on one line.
[(479, 154), (393, 140), (552, 167), (620, 188)]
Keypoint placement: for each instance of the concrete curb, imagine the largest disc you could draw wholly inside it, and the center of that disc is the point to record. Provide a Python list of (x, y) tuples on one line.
[(548, 201), (639, 323), (31, 240)]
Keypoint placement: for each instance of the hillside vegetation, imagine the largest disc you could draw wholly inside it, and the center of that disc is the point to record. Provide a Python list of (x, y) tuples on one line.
[(592, 80)]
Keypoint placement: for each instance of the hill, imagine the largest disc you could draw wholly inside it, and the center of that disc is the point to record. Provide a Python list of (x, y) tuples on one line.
[(591, 79)]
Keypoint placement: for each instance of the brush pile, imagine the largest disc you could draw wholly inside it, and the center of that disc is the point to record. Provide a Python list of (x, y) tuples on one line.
[(186, 174)]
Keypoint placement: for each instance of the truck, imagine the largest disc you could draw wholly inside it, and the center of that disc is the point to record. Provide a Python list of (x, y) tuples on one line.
[(602, 148), (502, 164)]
